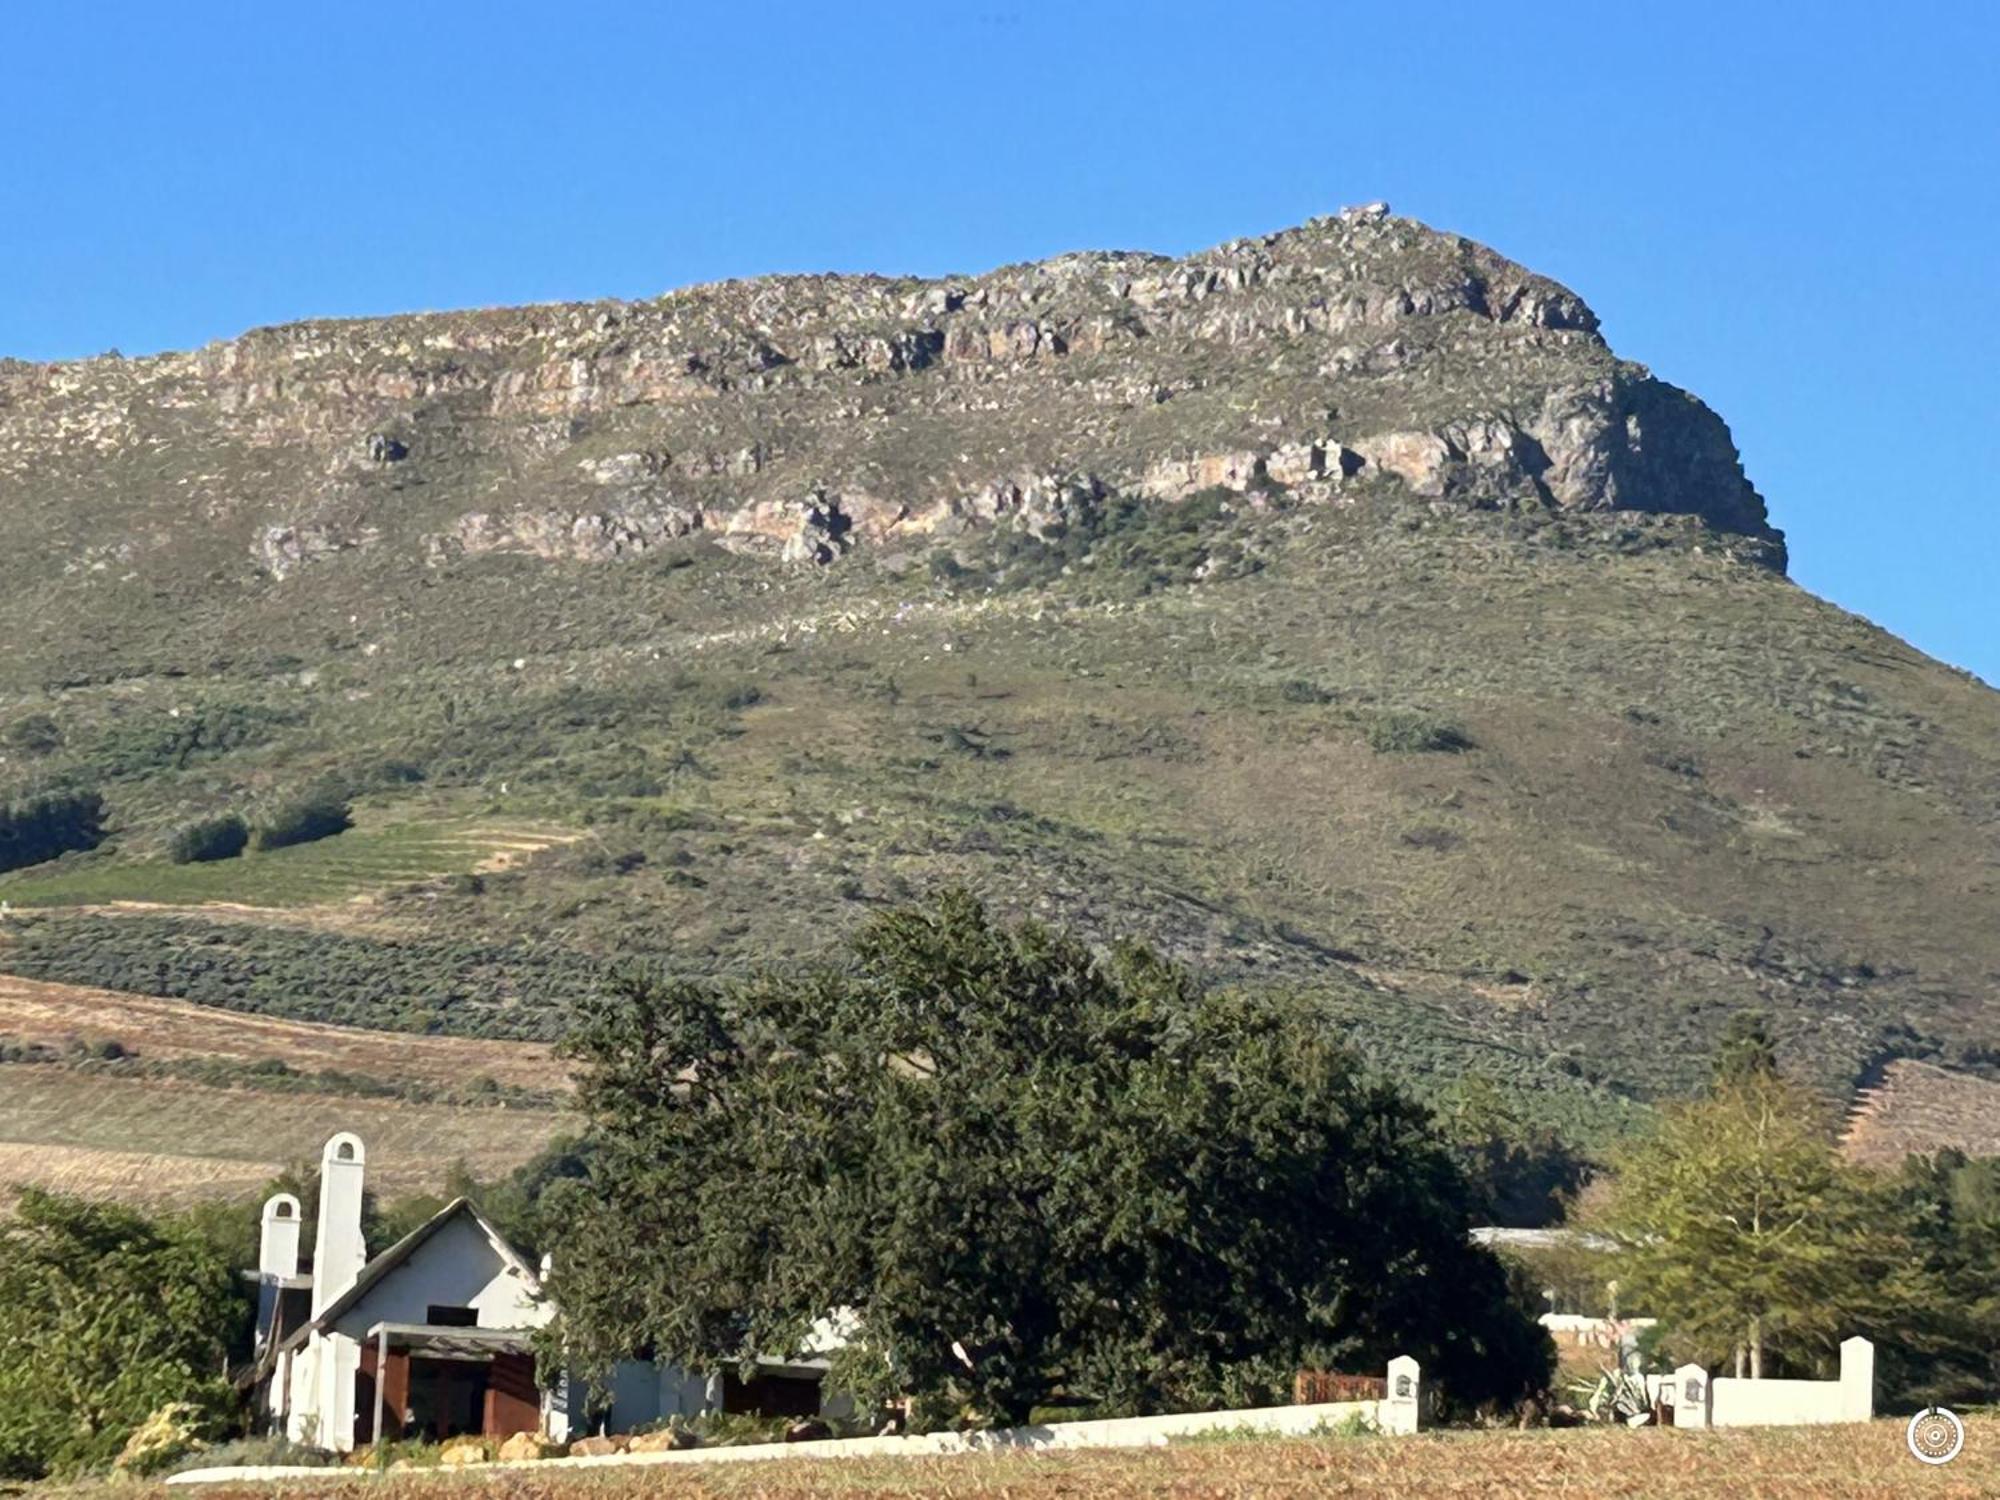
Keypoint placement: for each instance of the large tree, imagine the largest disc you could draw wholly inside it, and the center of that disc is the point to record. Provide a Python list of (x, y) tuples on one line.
[(105, 1317), (1738, 1224), (1028, 1169)]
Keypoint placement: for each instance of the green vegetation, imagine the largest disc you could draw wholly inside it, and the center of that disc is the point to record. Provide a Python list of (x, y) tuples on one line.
[(748, 756), (207, 839), (41, 828), (304, 820), (106, 1317), (367, 860), (1403, 732), (1737, 1223), (1015, 1162), (1949, 1349), (411, 984), (1121, 546)]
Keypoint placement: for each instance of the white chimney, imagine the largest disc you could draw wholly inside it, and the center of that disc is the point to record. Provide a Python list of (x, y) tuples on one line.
[(278, 1250), (338, 1252)]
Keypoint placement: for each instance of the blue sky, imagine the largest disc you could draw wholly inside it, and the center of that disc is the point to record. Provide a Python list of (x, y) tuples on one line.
[(1791, 209)]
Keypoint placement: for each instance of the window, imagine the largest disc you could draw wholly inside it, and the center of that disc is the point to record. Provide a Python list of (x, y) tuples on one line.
[(451, 1317)]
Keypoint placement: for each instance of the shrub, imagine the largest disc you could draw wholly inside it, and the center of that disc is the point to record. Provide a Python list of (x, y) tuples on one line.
[(84, 1369), (37, 734), (1402, 732), (207, 839), (305, 820), (271, 1450), (41, 828)]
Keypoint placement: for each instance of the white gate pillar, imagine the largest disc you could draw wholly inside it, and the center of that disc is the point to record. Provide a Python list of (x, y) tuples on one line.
[(1694, 1397), (1857, 1380), (1401, 1409)]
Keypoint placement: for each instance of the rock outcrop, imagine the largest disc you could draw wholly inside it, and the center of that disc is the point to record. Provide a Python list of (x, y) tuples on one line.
[(804, 416)]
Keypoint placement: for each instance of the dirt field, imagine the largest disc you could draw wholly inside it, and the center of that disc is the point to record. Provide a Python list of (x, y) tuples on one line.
[(154, 1140), (1793, 1464), (34, 1011)]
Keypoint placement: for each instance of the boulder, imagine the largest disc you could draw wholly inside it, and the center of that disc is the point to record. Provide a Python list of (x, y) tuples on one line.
[(664, 1440), (170, 1433), (460, 1451), (811, 1430), (599, 1447), (527, 1445)]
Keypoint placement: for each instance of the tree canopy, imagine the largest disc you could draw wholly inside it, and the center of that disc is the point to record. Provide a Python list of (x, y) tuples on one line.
[(1738, 1224), (1027, 1169), (105, 1317)]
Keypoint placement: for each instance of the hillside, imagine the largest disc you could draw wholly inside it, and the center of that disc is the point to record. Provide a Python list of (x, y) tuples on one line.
[(118, 1095), (1333, 609)]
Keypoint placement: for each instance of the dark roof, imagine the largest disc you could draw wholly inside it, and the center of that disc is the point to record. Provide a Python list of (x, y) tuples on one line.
[(401, 1251), (452, 1343)]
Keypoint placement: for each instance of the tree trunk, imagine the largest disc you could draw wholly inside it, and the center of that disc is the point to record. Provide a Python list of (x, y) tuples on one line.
[(1757, 1348), (1739, 1361)]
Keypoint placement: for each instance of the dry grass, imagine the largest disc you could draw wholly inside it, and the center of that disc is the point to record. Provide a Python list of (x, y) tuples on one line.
[(141, 1138), (148, 1179), (1863, 1461), (166, 1030), (1920, 1107)]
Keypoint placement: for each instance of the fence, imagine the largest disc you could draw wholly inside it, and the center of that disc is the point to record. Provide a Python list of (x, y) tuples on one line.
[(1398, 1410), (1702, 1400)]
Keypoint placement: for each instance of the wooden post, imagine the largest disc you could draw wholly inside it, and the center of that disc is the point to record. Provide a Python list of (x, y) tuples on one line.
[(381, 1384)]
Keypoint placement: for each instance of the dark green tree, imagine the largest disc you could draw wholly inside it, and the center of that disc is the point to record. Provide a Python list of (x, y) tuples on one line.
[(40, 828), (1746, 1050), (206, 839), (1028, 1170), (1946, 1346), (105, 1317), (304, 820)]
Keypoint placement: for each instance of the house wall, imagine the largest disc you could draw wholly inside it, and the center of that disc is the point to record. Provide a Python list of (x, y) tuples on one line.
[(643, 1392), (456, 1267), (321, 1413), (513, 1400)]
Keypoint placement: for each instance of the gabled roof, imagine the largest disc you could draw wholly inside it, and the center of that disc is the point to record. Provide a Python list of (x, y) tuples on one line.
[(401, 1251)]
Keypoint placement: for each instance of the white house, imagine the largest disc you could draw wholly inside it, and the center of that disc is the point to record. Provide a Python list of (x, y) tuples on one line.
[(433, 1338)]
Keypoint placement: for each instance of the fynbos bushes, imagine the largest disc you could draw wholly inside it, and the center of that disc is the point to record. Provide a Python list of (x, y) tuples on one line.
[(41, 828), (304, 820), (207, 839)]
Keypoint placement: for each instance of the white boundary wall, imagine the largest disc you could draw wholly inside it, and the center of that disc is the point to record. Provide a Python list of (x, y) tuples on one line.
[(1398, 1412), (1724, 1401)]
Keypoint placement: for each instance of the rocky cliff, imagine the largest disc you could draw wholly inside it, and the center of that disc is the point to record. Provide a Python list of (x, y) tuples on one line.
[(804, 416)]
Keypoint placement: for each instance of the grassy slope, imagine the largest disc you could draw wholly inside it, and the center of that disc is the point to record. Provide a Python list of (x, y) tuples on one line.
[(1692, 787)]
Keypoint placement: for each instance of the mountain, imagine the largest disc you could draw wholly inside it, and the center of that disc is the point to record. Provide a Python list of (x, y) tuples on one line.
[(1332, 608)]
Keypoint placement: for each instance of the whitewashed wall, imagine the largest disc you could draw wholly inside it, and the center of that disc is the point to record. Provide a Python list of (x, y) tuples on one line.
[(456, 1267), (1725, 1401)]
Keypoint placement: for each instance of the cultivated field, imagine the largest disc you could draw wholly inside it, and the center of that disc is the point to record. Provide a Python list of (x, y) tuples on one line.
[(360, 862), (155, 1030), (1778, 1464), (1921, 1107), (162, 1140)]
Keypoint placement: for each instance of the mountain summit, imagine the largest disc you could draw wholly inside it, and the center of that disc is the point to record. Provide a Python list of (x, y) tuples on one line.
[(1332, 608), (805, 415)]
